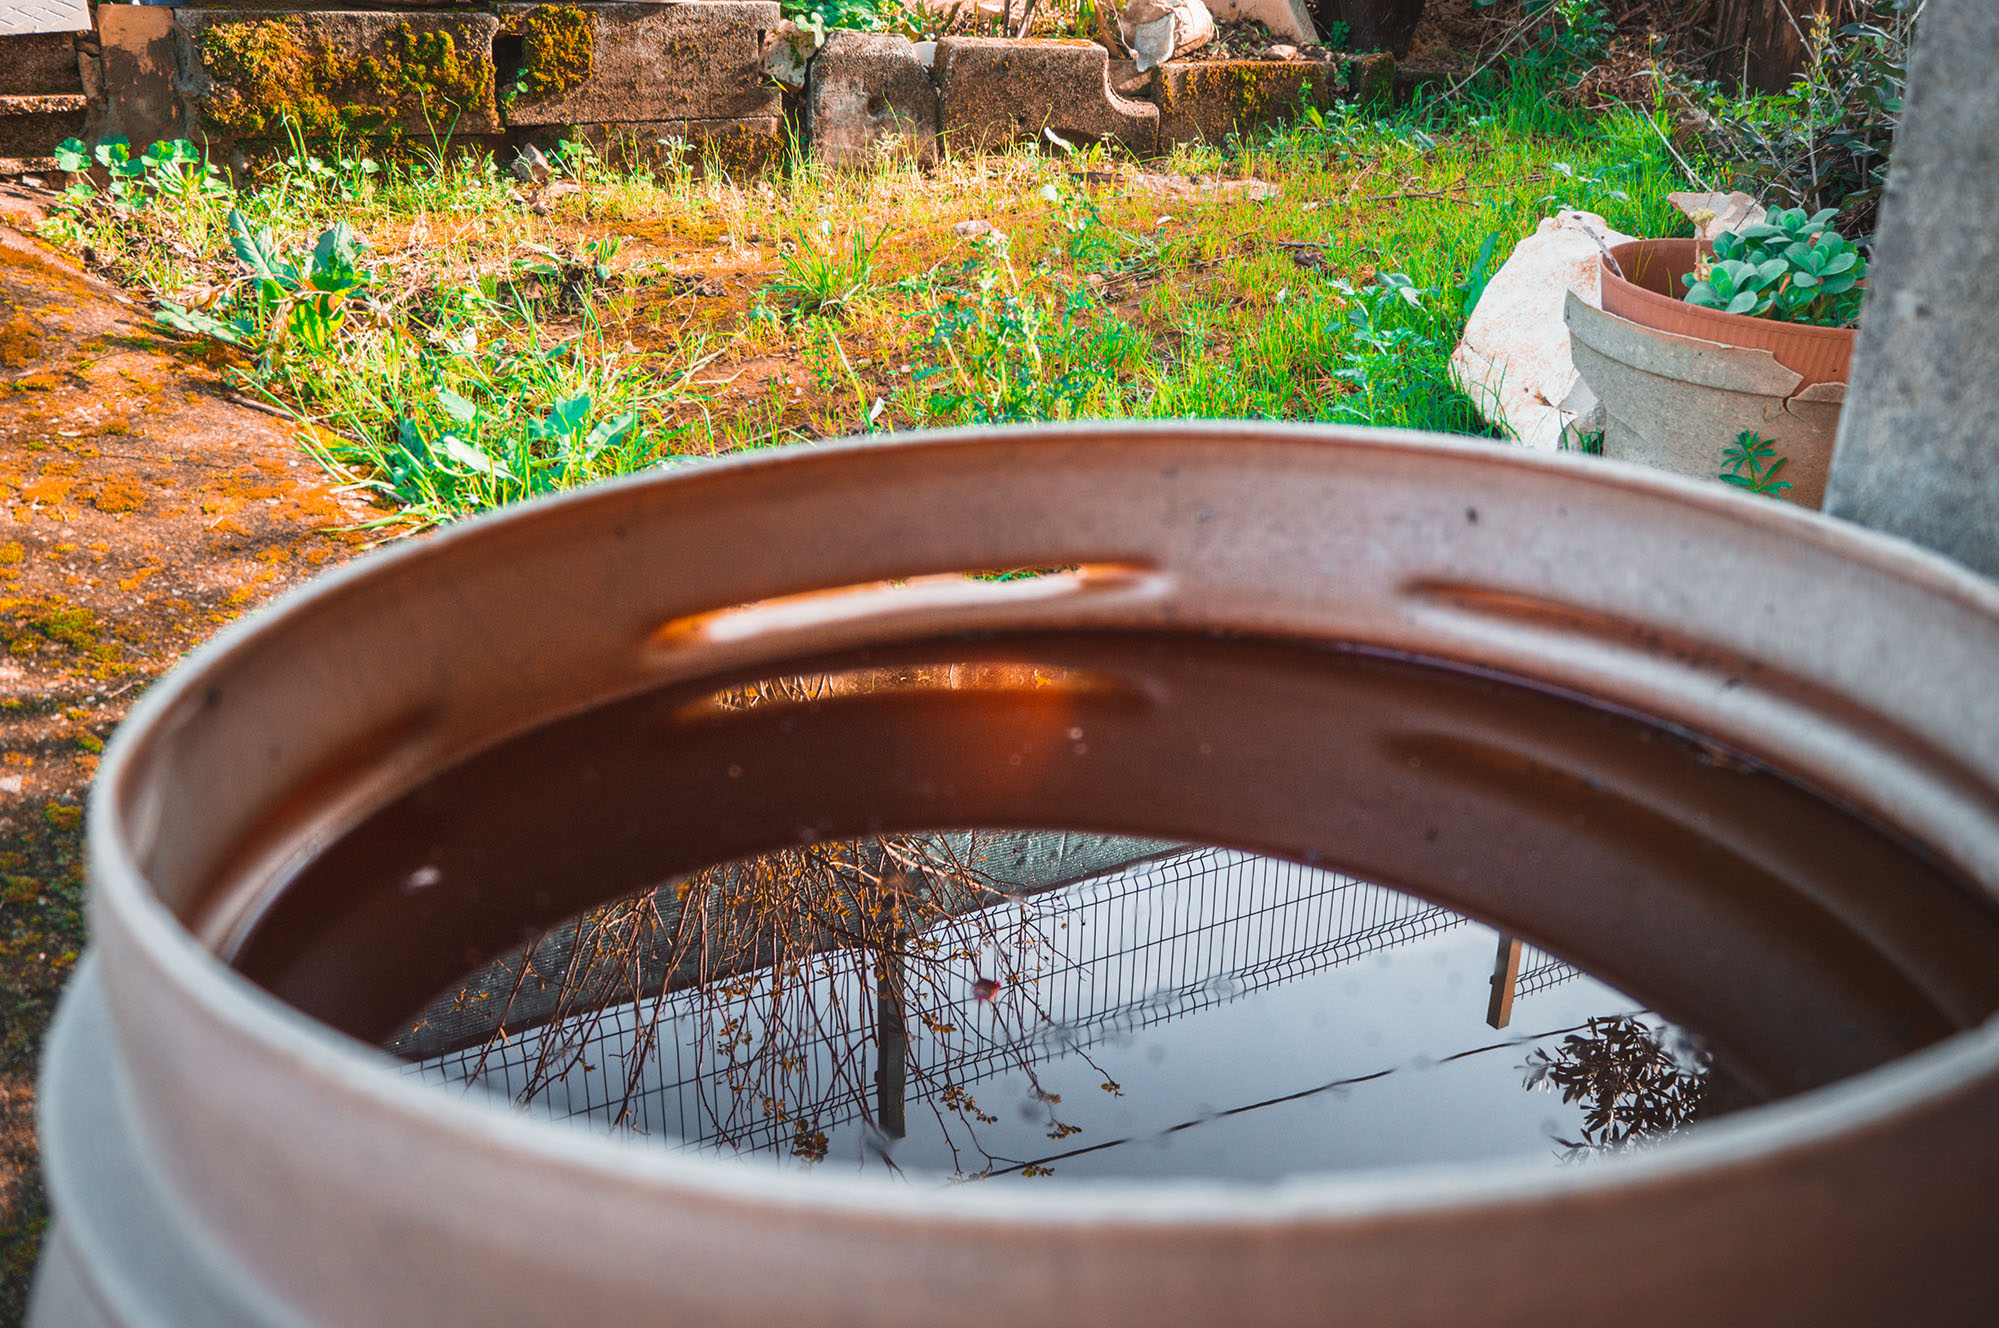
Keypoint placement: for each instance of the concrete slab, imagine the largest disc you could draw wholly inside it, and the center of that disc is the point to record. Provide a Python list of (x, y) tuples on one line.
[(636, 63), (40, 63), (870, 97), (141, 63), (995, 92), (22, 17)]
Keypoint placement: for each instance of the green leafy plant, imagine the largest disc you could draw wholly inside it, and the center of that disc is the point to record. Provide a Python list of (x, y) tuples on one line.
[(819, 17), (1093, 244), (1566, 33), (300, 297), (1752, 463), (1010, 350), (1789, 267), (1826, 142), (170, 169)]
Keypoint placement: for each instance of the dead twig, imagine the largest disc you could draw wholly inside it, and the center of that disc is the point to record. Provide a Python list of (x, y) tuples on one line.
[(1445, 193)]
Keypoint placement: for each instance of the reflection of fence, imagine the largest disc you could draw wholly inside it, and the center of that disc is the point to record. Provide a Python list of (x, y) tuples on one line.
[(529, 986), (1129, 949), (1539, 971)]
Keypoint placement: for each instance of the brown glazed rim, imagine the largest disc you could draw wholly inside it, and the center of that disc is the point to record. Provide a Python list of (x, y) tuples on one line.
[(1485, 527)]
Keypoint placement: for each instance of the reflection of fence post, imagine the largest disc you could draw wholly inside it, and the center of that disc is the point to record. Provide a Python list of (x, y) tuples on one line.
[(891, 1023), (1505, 977)]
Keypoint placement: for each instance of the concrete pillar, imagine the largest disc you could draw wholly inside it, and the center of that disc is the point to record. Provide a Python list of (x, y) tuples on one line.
[(1918, 449)]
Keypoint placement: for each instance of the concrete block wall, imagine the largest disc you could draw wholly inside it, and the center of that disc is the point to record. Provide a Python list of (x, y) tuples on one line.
[(42, 94), (633, 78)]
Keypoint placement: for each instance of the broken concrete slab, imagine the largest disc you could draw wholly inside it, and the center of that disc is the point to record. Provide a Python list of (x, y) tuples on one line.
[(994, 92), (739, 146), (1514, 360), (1288, 20), (140, 64), (636, 62), (1207, 100), (40, 63), (252, 74), (1156, 31), (1717, 214), (870, 98), (1679, 402)]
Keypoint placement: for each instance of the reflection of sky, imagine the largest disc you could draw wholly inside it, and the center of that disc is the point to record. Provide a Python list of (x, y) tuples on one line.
[(1155, 941), (1400, 1009)]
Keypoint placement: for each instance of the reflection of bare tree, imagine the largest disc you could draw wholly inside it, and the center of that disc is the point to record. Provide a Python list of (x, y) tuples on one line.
[(768, 946), (1634, 1087), (771, 949)]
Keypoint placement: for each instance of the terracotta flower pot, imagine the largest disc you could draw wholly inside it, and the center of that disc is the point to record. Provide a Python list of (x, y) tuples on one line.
[(1649, 294)]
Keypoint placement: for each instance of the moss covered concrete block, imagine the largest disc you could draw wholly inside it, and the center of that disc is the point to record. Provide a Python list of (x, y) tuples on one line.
[(635, 63), (995, 91), (1207, 100), (249, 74), (1370, 79)]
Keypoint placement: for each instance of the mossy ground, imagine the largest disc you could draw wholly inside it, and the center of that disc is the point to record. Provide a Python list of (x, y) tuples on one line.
[(139, 511)]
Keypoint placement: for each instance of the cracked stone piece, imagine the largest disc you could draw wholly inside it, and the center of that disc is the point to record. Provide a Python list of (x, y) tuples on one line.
[(39, 64), (140, 64), (995, 91), (250, 73), (1207, 100), (30, 127), (1288, 19), (1514, 360), (1156, 31), (870, 97), (636, 63), (788, 52), (739, 145)]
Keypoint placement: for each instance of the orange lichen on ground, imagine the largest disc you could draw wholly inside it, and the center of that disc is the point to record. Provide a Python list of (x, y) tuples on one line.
[(110, 570)]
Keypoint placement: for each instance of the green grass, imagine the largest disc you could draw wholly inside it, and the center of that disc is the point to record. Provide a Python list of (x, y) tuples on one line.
[(466, 341)]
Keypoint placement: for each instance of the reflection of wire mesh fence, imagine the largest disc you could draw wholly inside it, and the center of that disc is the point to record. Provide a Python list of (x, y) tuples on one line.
[(1092, 963), (1539, 971)]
